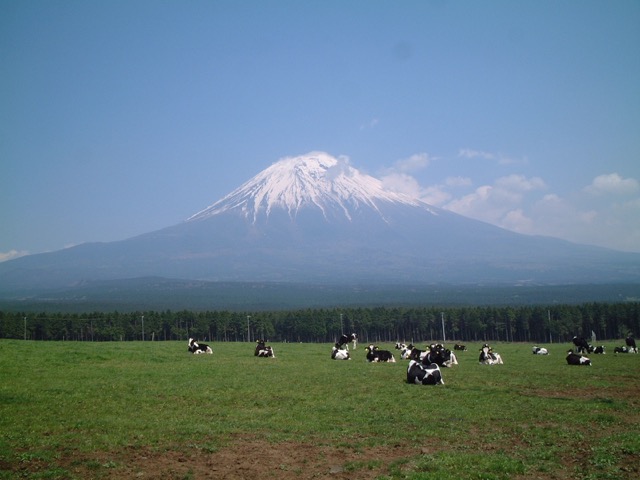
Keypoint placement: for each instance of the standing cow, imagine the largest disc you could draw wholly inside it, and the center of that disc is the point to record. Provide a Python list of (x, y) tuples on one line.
[(581, 345), (345, 339), (631, 343)]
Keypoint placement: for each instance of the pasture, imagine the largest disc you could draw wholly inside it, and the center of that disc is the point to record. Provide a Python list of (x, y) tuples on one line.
[(150, 410)]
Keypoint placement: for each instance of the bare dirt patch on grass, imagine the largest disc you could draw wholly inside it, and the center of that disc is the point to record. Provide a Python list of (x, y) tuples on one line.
[(243, 459)]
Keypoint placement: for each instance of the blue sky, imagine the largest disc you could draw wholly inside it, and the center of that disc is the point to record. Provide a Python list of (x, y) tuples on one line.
[(122, 117)]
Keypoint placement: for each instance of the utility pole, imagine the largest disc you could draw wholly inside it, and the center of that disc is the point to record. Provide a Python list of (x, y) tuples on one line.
[(25, 328), (143, 328), (248, 329), (341, 327), (443, 336)]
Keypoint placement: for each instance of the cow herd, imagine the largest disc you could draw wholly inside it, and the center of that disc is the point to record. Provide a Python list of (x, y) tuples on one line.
[(424, 365)]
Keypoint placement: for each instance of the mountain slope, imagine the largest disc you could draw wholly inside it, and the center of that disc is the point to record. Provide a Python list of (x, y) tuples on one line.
[(315, 219)]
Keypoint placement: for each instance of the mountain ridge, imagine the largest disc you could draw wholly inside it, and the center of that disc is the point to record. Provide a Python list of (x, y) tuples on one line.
[(315, 219)]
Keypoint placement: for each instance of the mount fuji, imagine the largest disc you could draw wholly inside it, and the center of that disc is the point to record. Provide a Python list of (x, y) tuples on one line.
[(315, 219)]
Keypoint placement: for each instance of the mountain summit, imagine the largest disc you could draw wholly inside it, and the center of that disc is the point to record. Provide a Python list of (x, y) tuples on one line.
[(316, 180), (314, 219)]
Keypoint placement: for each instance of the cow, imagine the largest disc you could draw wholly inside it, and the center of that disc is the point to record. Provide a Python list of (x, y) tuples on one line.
[(439, 355), (576, 359), (581, 345), (462, 348), (338, 353), (198, 348), (540, 351), (424, 374), (631, 343), (599, 349), (374, 354), (405, 351), (416, 353), (489, 357), (344, 339), (624, 350), (263, 350)]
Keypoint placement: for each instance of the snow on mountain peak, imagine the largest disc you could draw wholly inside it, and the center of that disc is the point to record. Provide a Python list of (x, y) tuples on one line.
[(316, 180)]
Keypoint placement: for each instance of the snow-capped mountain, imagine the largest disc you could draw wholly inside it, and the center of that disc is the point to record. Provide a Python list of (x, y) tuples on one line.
[(316, 180), (315, 219)]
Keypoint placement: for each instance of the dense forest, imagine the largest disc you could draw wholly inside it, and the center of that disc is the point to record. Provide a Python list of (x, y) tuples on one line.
[(539, 324)]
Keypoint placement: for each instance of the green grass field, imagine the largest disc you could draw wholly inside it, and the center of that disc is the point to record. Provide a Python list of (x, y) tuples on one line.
[(152, 410)]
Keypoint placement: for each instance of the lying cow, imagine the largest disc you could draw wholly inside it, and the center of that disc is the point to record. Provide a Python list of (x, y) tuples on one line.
[(374, 354), (581, 345), (599, 349), (345, 339), (439, 355), (462, 348), (577, 359), (405, 350), (631, 343), (624, 350), (198, 348), (338, 353), (263, 350), (540, 351), (489, 357), (424, 374)]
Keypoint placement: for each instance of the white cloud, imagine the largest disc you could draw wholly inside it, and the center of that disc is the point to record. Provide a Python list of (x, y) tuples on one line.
[(415, 162), (11, 254), (613, 183), (498, 157)]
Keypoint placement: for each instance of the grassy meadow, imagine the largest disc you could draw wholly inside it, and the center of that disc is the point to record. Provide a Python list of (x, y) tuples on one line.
[(152, 410)]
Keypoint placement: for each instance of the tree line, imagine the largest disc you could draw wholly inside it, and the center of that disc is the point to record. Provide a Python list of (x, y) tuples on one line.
[(538, 324)]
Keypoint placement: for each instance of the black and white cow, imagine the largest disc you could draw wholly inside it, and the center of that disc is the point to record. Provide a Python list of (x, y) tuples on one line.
[(577, 359), (374, 354), (439, 355), (489, 357), (581, 345), (416, 354), (197, 348), (424, 374), (624, 350), (540, 351), (263, 350), (338, 353), (631, 343), (462, 348), (600, 349), (345, 339), (405, 351)]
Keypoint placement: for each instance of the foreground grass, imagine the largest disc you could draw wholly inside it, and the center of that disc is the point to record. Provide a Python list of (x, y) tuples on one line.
[(533, 416)]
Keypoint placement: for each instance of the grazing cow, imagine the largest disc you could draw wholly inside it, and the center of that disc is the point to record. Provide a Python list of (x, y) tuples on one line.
[(197, 348), (576, 359), (489, 357), (263, 350), (338, 353), (344, 339), (581, 345), (599, 349), (540, 351), (374, 354), (631, 343), (460, 347), (424, 374)]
